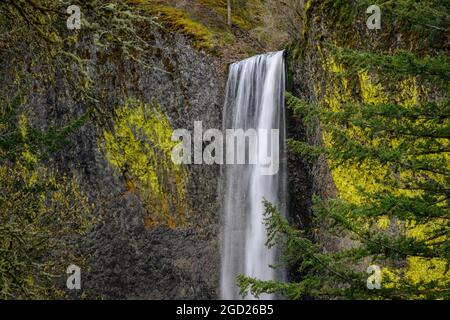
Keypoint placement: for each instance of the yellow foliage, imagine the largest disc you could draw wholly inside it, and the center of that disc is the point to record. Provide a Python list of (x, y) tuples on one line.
[(41, 214), (139, 147), (350, 177), (370, 92), (409, 92), (422, 270), (178, 20)]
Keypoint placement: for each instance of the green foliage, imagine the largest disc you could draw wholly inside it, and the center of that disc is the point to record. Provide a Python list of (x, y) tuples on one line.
[(398, 65), (203, 22), (411, 145), (180, 21), (384, 121), (326, 275), (38, 27), (429, 18), (13, 141), (427, 21), (310, 262), (41, 212)]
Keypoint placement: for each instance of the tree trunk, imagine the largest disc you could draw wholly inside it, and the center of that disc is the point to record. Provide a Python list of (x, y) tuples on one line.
[(229, 12)]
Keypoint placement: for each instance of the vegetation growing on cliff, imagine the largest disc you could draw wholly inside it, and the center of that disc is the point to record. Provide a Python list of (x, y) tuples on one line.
[(41, 212), (384, 123), (392, 175), (205, 24), (139, 147), (382, 102), (59, 56)]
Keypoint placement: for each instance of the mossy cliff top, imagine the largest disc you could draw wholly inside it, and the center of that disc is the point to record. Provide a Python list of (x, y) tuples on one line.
[(204, 22)]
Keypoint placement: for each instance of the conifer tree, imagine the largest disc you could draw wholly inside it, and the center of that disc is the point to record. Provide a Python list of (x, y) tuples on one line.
[(399, 220)]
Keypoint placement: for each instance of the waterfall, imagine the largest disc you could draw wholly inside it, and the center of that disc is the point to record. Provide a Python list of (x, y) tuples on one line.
[(254, 100)]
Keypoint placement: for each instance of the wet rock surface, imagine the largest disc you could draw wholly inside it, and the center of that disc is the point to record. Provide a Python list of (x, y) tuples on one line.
[(124, 259)]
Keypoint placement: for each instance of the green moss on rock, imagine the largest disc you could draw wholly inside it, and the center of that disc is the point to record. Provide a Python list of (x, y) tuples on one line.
[(139, 147)]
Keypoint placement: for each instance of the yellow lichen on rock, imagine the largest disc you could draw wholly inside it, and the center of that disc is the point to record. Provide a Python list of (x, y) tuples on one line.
[(351, 177), (139, 147)]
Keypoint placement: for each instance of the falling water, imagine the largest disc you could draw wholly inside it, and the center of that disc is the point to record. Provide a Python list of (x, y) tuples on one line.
[(254, 100)]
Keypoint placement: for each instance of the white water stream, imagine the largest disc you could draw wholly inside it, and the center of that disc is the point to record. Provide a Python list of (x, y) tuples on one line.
[(254, 100)]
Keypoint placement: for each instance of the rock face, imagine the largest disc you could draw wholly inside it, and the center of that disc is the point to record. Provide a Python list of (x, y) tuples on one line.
[(124, 258)]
